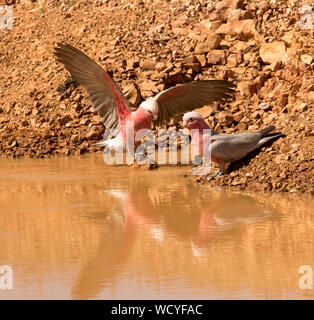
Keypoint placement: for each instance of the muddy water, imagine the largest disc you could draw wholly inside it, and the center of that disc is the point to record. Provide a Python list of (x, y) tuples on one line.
[(72, 228)]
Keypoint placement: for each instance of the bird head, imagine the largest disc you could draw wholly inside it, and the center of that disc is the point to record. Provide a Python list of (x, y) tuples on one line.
[(151, 106), (194, 120)]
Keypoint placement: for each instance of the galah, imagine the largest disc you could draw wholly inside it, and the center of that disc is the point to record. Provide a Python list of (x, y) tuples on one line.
[(113, 108), (224, 148)]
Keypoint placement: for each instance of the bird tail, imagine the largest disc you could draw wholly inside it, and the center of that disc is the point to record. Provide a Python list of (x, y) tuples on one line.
[(100, 144), (265, 131), (270, 137)]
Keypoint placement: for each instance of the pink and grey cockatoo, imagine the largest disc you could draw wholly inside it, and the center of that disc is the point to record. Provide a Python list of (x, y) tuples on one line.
[(113, 107), (225, 148)]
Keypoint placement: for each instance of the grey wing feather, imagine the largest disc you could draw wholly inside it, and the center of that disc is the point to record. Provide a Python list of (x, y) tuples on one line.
[(190, 96), (91, 76), (233, 147)]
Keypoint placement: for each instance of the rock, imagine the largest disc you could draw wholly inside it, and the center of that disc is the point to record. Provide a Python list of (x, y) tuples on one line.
[(202, 60), (180, 22), (247, 88), (190, 59), (265, 106), (75, 138), (93, 135), (195, 67), (289, 37), (216, 15), (224, 118), (175, 76), (148, 88), (263, 6), (192, 63), (148, 65), (206, 111), (237, 182), (307, 59), (233, 4), (283, 99), (65, 119), (207, 26), (238, 116), (260, 80), (233, 60), (132, 63), (216, 57), (133, 95), (272, 53), (84, 121), (243, 29), (24, 123), (242, 126), (156, 76), (180, 31), (302, 107), (78, 108), (237, 14), (211, 42)]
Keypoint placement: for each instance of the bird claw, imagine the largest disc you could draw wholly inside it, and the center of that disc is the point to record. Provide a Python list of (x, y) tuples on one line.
[(219, 173), (143, 159), (152, 162), (153, 165), (200, 171)]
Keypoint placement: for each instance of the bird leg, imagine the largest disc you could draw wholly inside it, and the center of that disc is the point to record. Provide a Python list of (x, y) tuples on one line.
[(138, 158), (204, 169), (197, 160)]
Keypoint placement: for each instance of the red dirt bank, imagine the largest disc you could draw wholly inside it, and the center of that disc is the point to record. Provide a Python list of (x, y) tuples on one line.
[(153, 45)]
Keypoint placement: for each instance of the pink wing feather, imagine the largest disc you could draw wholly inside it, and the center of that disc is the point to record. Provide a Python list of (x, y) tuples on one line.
[(104, 93), (120, 101)]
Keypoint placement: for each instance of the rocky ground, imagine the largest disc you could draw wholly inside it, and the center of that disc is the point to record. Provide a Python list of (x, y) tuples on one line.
[(150, 45)]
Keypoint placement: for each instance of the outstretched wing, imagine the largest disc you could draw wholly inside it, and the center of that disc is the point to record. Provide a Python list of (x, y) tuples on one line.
[(190, 96), (104, 93)]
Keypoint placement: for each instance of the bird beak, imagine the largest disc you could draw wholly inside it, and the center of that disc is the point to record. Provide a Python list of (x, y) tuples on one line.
[(184, 124), (155, 116)]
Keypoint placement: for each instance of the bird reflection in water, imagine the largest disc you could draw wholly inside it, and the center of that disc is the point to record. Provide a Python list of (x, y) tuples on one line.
[(164, 214)]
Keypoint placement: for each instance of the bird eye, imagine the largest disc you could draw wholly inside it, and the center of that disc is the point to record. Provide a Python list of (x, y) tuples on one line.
[(191, 119)]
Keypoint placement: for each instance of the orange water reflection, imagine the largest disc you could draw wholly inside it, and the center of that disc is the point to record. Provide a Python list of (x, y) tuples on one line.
[(72, 228)]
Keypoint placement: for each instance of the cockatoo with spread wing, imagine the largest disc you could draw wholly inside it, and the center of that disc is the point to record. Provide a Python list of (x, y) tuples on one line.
[(113, 108)]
